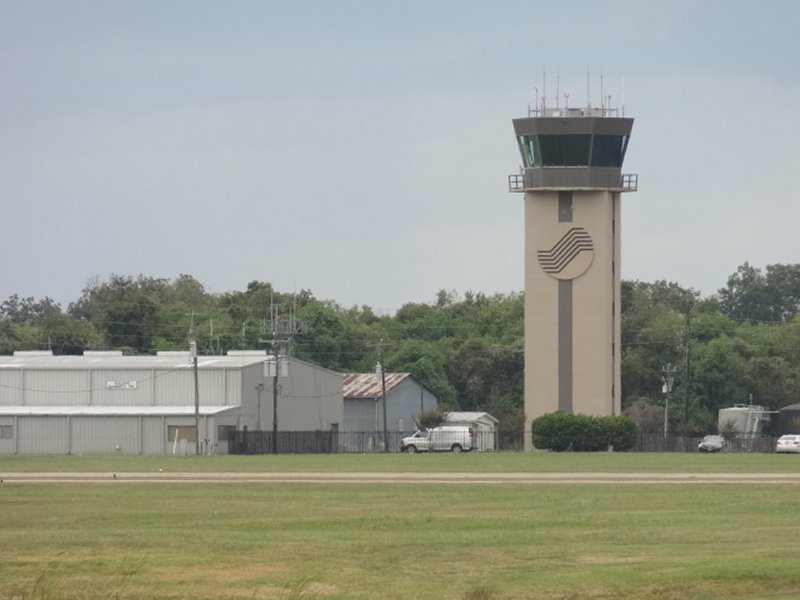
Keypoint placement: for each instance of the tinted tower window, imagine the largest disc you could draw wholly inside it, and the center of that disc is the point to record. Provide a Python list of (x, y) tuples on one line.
[(565, 150), (608, 150)]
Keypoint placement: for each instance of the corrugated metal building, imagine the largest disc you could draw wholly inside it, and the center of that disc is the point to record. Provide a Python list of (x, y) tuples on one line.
[(363, 406), (103, 402)]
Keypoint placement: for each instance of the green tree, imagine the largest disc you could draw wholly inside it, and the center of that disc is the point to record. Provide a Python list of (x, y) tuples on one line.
[(16, 336), (720, 374), (27, 310), (773, 381), (28, 324), (755, 296), (653, 336), (430, 418), (471, 372), (427, 362), (125, 309), (69, 336)]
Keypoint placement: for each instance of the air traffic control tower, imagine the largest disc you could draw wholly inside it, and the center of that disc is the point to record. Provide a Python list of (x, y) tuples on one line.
[(572, 179)]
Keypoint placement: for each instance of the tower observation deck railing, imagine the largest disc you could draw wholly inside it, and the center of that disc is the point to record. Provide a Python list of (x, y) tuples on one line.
[(593, 111), (629, 182)]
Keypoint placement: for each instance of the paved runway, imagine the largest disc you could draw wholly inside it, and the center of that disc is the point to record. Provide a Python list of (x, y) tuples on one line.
[(388, 478)]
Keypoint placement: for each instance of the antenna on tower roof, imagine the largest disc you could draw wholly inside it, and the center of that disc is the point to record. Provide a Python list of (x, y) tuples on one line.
[(558, 88), (544, 90), (602, 96), (588, 93)]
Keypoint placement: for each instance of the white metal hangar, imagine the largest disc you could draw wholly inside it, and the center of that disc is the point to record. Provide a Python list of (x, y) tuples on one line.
[(106, 403)]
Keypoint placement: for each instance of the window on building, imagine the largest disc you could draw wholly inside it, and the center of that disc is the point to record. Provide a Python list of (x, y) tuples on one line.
[(529, 149), (224, 432), (181, 432), (565, 150), (6, 432), (572, 150), (608, 150)]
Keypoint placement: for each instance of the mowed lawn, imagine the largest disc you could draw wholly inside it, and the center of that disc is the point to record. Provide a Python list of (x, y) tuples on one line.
[(402, 540), (471, 462)]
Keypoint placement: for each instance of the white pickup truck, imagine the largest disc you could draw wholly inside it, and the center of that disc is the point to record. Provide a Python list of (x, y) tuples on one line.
[(453, 438)]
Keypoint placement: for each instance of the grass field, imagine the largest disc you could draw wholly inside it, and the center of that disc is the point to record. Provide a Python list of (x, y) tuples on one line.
[(497, 462), (398, 541)]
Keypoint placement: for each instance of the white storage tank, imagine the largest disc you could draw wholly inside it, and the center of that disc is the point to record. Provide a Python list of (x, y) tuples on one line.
[(746, 418)]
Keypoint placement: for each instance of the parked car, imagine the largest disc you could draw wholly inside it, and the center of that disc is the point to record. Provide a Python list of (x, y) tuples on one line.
[(711, 443), (788, 443), (455, 438)]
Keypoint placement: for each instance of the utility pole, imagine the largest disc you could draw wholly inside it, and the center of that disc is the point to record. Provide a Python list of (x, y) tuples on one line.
[(276, 358), (688, 379), (667, 381), (383, 396), (281, 332), (259, 389), (193, 354)]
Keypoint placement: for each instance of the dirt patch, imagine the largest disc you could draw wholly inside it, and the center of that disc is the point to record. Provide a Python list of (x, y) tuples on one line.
[(609, 560)]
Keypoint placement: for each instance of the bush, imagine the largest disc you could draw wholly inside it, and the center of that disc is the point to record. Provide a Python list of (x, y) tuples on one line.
[(729, 431), (561, 431), (554, 431), (430, 419), (622, 432)]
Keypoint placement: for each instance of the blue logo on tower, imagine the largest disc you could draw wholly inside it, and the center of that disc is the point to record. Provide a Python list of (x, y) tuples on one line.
[(570, 255)]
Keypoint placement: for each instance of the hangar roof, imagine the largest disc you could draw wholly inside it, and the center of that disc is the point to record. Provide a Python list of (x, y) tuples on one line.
[(111, 411), (115, 360), (369, 385)]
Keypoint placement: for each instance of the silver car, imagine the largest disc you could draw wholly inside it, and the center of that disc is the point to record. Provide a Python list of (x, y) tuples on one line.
[(711, 443), (788, 443)]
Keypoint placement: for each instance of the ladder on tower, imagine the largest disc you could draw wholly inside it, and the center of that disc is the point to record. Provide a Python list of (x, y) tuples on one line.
[(754, 418)]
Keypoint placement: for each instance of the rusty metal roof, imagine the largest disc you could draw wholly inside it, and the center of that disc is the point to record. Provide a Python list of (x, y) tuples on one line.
[(368, 385)]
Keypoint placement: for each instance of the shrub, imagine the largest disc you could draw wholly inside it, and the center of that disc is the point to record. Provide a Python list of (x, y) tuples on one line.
[(561, 431), (622, 432), (554, 431), (728, 430), (430, 419)]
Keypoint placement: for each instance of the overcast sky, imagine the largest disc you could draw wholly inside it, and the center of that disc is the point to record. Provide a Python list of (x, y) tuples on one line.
[(360, 149)]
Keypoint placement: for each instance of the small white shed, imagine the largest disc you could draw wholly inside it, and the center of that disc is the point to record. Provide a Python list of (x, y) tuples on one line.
[(484, 424)]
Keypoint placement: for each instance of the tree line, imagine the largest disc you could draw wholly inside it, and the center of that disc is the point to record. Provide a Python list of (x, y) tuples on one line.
[(739, 345)]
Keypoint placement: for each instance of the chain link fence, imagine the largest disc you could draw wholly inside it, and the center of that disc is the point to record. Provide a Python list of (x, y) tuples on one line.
[(657, 442), (329, 442)]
